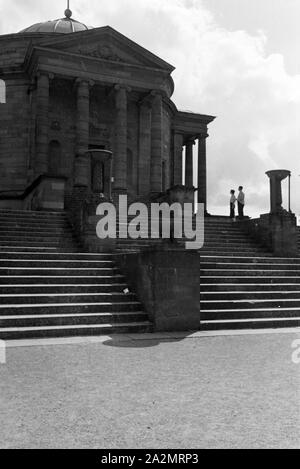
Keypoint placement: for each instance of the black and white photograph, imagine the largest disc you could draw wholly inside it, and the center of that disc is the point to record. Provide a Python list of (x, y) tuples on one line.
[(149, 227)]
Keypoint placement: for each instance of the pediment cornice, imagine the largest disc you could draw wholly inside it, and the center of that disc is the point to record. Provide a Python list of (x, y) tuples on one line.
[(108, 44)]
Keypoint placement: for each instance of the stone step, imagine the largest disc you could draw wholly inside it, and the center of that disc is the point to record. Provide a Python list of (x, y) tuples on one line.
[(239, 287), (38, 288), (40, 249), (225, 250), (254, 313), (266, 265), (68, 308), (39, 232), (248, 295), (258, 260), (230, 246), (246, 279), (19, 219), (61, 280), (33, 237), (219, 238), (31, 224), (57, 298), (249, 272), (10, 333), (71, 319), (32, 213), (248, 253), (34, 245), (251, 323), (227, 304), (56, 263), (33, 216), (46, 256), (59, 271)]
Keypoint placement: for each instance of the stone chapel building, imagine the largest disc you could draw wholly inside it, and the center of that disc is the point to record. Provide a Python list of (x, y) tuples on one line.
[(66, 89)]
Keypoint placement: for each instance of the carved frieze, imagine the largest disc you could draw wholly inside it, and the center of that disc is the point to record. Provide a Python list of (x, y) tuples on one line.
[(100, 51)]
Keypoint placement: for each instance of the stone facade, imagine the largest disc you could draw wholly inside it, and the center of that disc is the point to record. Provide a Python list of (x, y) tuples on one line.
[(66, 94)]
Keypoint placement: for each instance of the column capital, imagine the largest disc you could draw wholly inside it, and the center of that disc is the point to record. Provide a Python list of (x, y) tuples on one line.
[(202, 136), (119, 87), (48, 75), (79, 81), (155, 93), (190, 141)]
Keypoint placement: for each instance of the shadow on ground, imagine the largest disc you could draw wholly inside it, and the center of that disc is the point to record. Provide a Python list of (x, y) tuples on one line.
[(145, 340)]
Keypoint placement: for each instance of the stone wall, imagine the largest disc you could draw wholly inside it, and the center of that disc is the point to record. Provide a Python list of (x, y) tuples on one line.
[(167, 282)]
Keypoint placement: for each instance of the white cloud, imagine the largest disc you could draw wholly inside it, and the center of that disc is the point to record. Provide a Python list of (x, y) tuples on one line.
[(219, 72)]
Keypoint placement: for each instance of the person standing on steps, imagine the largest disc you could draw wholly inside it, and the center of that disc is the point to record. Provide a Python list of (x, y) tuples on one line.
[(232, 204), (241, 202)]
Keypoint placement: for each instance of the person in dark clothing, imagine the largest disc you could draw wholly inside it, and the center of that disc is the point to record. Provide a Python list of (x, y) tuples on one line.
[(241, 202), (232, 204)]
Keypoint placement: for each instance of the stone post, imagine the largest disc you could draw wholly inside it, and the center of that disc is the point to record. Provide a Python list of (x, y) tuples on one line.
[(189, 163), (120, 162), (82, 162), (144, 148), (156, 143), (276, 176), (177, 165), (202, 174), (42, 123)]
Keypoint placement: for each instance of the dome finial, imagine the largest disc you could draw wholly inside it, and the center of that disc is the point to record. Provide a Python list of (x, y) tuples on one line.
[(68, 12)]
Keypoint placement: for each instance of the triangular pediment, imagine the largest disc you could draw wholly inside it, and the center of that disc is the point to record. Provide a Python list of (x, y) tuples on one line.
[(108, 44)]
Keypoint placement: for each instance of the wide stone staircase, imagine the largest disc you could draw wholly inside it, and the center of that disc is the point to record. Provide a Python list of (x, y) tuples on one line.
[(48, 288), (241, 285)]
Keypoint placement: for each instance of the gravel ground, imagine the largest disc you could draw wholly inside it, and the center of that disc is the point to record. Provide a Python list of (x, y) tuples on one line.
[(214, 392)]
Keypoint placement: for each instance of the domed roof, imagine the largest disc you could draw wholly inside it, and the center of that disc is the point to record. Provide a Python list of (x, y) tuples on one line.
[(64, 25)]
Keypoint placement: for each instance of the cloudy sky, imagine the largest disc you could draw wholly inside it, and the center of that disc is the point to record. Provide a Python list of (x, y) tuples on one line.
[(235, 59)]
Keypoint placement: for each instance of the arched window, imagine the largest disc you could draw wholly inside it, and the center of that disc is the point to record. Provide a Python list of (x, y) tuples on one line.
[(54, 158), (2, 92)]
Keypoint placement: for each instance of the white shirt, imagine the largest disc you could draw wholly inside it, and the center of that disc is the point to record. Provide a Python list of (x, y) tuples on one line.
[(232, 199), (241, 198)]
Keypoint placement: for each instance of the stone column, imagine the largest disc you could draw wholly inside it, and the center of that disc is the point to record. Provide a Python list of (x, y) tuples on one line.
[(156, 143), (120, 162), (144, 163), (42, 124), (276, 176), (82, 162), (202, 174), (177, 164), (189, 163)]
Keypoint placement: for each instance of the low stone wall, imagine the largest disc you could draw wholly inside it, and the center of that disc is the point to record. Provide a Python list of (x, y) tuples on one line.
[(276, 232), (167, 283)]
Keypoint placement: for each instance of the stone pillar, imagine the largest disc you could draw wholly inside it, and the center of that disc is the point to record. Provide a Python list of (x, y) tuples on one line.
[(276, 176), (144, 148), (42, 124), (202, 174), (177, 164), (82, 162), (120, 162), (156, 143), (189, 163)]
